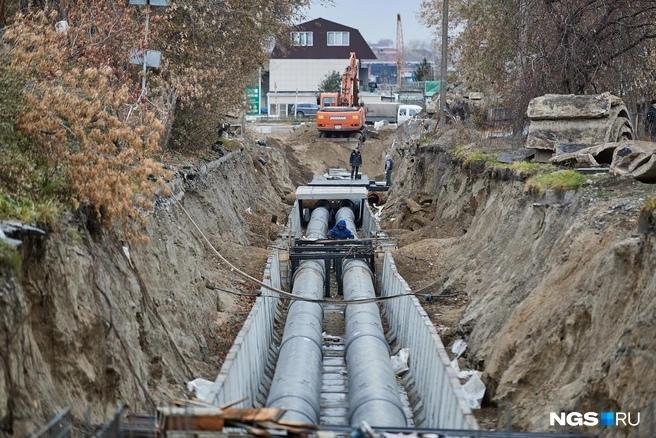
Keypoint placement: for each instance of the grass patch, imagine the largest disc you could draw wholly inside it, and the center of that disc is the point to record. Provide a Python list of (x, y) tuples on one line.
[(650, 204), (531, 167), (468, 156), (10, 257), (43, 213), (562, 181), (425, 140), (231, 145)]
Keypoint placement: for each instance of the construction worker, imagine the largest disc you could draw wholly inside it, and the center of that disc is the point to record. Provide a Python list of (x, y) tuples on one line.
[(340, 231), (356, 162), (389, 165)]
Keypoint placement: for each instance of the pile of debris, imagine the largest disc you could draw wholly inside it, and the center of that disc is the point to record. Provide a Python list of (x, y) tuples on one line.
[(13, 232), (592, 131), (633, 158)]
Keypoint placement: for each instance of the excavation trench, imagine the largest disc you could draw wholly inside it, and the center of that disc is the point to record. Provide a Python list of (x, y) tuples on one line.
[(332, 365)]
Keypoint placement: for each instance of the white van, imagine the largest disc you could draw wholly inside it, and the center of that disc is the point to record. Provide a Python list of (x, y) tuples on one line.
[(391, 112), (406, 112)]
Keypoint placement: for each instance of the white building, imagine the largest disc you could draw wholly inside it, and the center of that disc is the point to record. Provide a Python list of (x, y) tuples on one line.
[(318, 48)]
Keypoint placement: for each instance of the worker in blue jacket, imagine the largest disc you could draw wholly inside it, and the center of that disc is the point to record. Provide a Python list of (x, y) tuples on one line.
[(341, 231)]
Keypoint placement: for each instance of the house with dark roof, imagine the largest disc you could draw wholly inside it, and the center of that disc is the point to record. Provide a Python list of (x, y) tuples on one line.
[(318, 47)]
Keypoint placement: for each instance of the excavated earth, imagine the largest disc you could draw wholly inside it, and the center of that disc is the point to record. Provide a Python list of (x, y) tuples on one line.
[(316, 154), (91, 321), (555, 293)]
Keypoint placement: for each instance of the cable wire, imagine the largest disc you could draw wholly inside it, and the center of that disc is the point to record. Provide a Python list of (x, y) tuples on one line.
[(282, 293)]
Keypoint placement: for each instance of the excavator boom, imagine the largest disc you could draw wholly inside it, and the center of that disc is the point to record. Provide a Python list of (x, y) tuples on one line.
[(349, 92)]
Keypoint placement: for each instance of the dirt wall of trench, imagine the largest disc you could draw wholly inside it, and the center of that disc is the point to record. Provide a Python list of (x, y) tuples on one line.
[(556, 293), (91, 322)]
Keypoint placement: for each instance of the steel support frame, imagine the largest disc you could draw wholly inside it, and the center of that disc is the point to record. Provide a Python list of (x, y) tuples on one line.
[(333, 253)]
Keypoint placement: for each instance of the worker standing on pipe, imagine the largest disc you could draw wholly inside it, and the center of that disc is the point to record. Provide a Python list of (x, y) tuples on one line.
[(356, 162)]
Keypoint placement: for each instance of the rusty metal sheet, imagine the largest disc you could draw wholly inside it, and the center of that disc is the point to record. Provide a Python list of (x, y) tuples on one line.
[(190, 418), (253, 415)]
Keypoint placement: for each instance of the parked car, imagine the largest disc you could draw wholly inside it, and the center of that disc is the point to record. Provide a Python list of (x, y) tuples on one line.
[(304, 110)]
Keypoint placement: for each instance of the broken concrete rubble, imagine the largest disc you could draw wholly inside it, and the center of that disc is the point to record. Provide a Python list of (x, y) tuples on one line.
[(12, 232), (518, 155), (635, 158), (588, 157)]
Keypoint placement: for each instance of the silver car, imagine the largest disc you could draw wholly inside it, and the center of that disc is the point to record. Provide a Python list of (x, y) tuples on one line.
[(304, 110)]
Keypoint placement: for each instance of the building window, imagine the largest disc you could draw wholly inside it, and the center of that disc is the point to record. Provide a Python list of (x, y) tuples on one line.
[(338, 39), (302, 38)]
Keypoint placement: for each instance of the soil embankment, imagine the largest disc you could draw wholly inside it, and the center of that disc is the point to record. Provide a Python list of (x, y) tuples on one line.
[(555, 293), (318, 154), (91, 321)]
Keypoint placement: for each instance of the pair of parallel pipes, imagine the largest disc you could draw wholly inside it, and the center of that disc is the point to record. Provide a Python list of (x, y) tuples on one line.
[(296, 385)]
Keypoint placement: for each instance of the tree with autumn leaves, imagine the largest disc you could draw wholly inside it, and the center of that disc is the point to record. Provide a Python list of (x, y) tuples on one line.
[(82, 118), (525, 48)]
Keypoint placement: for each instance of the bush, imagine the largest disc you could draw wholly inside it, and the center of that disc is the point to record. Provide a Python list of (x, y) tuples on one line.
[(29, 189), (10, 257), (79, 133)]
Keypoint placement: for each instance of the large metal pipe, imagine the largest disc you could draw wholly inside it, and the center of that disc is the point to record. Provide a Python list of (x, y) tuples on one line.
[(347, 215), (317, 228), (296, 385), (373, 391)]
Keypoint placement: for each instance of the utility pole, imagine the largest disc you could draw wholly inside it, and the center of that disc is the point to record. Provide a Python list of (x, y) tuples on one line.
[(400, 55), (445, 57)]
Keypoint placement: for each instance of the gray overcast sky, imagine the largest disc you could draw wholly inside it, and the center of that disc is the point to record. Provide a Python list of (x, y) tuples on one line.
[(376, 19)]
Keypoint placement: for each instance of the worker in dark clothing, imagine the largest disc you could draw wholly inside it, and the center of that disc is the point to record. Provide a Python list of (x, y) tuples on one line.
[(340, 231), (651, 120), (389, 165), (356, 162)]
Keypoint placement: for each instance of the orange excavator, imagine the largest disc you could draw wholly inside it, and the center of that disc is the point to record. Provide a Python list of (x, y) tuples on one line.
[(340, 114)]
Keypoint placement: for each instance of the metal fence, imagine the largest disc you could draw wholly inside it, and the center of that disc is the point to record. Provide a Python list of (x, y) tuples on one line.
[(245, 365), (434, 380), (294, 223), (370, 226)]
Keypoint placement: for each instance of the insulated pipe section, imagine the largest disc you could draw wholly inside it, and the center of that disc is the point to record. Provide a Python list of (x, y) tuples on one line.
[(317, 228), (347, 215), (373, 390), (296, 385)]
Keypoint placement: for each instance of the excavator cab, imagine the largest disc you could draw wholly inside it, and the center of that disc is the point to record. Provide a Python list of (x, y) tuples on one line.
[(328, 99)]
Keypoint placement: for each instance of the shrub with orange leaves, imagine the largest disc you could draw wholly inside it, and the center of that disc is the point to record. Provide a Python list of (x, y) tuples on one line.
[(82, 115)]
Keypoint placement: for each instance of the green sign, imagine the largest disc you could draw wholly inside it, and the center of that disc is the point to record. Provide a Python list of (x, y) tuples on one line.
[(431, 88), (253, 96)]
